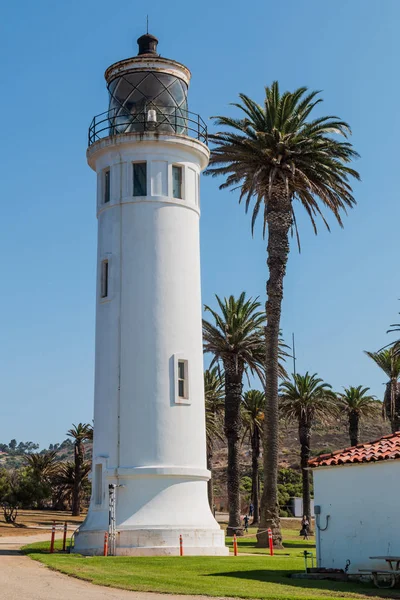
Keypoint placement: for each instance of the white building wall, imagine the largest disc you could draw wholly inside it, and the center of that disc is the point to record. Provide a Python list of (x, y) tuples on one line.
[(362, 502)]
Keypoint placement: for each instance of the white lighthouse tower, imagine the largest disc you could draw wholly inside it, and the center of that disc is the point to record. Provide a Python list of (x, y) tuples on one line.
[(149, 425)]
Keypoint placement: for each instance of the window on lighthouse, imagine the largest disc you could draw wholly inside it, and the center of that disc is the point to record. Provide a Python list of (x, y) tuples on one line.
[(107, 182), (140, 179), (176, 181), (104, 279), (182, 378)]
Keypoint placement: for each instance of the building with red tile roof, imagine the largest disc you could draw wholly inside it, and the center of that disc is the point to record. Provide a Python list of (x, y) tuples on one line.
[(356, 495), (384, 448)]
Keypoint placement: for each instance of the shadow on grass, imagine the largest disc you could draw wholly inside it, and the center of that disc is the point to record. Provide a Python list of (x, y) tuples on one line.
[(283, 577)]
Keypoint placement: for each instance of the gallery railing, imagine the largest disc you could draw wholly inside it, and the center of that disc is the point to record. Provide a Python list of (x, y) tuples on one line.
[(168, 119)]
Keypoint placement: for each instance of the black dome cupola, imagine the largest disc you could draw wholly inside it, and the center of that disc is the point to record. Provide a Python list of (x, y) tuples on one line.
[(147, 44)]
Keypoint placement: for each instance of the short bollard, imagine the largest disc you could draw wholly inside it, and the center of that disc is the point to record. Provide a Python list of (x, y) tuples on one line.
[(53, 535), (180, 546), (271, 543), (65, 536), (235, 545), (105, 547)]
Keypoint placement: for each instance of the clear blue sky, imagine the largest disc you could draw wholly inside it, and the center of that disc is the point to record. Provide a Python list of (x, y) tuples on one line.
[(341, 293)]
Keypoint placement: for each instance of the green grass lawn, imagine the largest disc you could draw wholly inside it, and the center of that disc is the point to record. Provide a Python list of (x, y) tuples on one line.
[(257, 576)]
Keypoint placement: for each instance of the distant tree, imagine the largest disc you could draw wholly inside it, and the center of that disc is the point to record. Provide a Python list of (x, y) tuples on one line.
[(79, 433), (214, 394), (357, 403), (12, 445), (304, 400), (389, 361), (64, 483), (41, 468), (253, 416)]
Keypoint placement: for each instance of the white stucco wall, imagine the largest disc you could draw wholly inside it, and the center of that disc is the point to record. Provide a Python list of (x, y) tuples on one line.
[(363, 504)]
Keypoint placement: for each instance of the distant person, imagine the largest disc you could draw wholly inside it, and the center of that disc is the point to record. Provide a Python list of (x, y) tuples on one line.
[(246, 523), (305, 527), (251, 509)]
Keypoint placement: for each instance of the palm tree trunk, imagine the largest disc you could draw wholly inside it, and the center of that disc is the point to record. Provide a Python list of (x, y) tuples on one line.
[(279, 219), (255, 482), (395, 405), (210, 488), (76, 499), (305, 439), (354, 428), (233, 396)]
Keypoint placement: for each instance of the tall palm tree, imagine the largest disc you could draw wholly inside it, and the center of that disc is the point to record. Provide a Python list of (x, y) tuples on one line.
[(389, 361), (235, 340), (253, 417), (304, 400), (214, 394), (276, 155), (357, 403), (79, 433)]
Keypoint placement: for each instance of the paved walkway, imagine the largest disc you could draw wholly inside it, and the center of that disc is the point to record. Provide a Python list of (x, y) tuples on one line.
[(22, 578)]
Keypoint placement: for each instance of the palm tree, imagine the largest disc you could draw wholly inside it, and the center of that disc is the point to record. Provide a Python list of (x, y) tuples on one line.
[(389, 361), (214, 394), (253, 417), (275, 155), (64, 481), (356, 404), (235, 340), (42, 468), (304, 400), (79, 433)]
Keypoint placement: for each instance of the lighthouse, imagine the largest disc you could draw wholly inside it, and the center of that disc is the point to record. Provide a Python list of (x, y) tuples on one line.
[(149, 449)]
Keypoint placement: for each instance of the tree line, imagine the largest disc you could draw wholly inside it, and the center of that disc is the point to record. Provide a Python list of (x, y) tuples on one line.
[(280, 158), (235, 339), (44, 480)]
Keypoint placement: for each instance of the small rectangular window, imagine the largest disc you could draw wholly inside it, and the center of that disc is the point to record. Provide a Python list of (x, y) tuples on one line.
[(107, 183), (98, 484), (104, 279), (182, 379), (176, 181), (140, 179)]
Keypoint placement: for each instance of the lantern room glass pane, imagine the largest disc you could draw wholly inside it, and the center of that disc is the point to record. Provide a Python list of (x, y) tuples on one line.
[(132, 95)]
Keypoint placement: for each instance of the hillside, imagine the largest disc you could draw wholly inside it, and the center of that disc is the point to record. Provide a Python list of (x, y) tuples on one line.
[(323, 439)]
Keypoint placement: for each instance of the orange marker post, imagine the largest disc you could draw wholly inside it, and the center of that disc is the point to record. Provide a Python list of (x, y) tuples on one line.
[(53, 535), (65, 536), (180, 546), (271, 543), (105, 547), (235, 545)]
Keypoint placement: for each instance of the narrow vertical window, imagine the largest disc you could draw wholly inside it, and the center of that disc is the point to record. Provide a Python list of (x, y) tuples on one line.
[(104, 279), (176, 181), (107, 188), (182, 379), (98, 484), (140, 179)]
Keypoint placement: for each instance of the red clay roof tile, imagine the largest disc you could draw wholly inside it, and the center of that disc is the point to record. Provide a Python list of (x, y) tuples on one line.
[(385, 448)]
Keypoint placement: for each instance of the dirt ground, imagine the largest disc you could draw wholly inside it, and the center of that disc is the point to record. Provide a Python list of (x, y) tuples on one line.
[(31, 522)]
